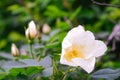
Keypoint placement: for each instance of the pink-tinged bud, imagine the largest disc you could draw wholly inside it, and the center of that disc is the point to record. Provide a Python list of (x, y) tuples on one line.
[(14, 50), (46, 29), (31, 31)]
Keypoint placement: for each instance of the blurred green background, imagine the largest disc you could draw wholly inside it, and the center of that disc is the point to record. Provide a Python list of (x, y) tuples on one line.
[(63, 14)]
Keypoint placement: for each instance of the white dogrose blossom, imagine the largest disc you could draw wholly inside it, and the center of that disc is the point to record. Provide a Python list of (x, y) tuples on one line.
[(79, 48), (31, 31)]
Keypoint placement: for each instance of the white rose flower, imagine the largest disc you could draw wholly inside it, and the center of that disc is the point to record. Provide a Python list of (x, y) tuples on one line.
[(31, 31), (79, 48)]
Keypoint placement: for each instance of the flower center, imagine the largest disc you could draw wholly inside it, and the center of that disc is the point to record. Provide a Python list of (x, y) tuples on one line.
[(74, 52)]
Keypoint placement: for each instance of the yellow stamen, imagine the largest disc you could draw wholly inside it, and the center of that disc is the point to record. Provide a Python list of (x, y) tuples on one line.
[(73, 53)]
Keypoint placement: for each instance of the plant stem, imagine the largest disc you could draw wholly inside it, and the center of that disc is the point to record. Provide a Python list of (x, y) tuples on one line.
[(89, 77), (31, 50), (55, 70), (16, 58), (68, 71)]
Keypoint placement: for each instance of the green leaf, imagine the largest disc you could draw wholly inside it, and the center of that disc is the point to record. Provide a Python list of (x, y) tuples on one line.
[(33, 70), (16, 9), (12, 64), (6, 55), (54, 12), (3, 43), (45, 63), (45, 38), (47, 72), (2, 75), (30, 62), (51, 45), (16, 71), (74, 14), (15, 36), (108, 74), (54, 32)]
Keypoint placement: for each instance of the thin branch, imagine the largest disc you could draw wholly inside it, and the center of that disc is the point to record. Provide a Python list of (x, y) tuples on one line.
[(105, 4)]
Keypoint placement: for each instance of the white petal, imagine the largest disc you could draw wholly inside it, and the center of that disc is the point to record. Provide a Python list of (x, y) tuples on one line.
[(65, 62), (90, 34), (32, 27), (82, 38), (95, 49), (66, 43), (27, 32), (81, 28), (32, 24), (79, 36), (100, 48), (86, 64), (89, 48), (76, 30)]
